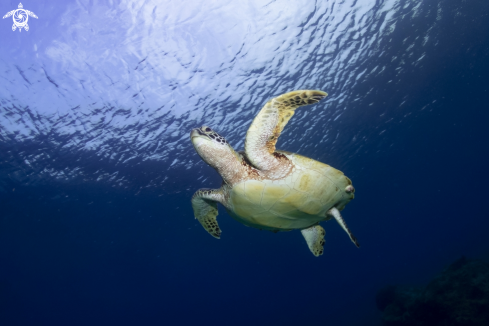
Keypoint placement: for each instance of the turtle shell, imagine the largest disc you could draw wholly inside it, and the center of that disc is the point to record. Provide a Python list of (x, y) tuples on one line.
[(297, 201)]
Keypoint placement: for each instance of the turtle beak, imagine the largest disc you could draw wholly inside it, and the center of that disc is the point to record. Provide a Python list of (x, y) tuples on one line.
[(198, 137), (196, 133)]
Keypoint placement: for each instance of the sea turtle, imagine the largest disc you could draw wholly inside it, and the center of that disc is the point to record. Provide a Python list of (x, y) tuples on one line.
[(267, 188), (20, 17)]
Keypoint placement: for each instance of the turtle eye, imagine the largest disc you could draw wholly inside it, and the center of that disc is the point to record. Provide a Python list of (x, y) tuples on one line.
[(207, 129)]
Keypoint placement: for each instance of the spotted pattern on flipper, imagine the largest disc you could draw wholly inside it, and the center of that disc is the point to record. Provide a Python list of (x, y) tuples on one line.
[(286, 104), (314, 236), (204, 203), (211, 226), (269, 123)]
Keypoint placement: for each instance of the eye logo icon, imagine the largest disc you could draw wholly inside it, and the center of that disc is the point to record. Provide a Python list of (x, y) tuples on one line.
[(20, 17)]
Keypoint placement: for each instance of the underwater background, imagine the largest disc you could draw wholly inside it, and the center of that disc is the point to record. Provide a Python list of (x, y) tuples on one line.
[(97, 101)]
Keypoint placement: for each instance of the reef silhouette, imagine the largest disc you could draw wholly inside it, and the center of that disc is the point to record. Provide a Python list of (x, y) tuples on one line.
[(458, 296)]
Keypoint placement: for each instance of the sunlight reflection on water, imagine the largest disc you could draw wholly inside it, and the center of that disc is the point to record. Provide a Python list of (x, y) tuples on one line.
[(120, 86)]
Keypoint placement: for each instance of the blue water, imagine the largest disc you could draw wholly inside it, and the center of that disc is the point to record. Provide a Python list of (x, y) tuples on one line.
[(97, 170)]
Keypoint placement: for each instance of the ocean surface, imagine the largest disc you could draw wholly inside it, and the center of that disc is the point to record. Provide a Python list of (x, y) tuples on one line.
[(97, 101)]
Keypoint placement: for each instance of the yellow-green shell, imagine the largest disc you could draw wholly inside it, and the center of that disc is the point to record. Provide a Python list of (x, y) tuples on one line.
[(297, 201)]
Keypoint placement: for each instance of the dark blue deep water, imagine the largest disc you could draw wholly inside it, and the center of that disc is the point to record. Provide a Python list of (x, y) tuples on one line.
[(97, 170)]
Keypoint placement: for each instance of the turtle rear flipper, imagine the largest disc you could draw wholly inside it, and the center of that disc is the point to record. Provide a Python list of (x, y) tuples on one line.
[(26, 27), (14, 27), (204, 203), (315, 239)]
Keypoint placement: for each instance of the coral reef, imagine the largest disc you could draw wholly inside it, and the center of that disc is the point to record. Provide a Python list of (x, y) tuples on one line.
[(458, 296)]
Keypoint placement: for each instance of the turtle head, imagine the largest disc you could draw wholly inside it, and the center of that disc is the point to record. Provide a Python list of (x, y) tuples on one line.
[(204, 135), (212, 147)]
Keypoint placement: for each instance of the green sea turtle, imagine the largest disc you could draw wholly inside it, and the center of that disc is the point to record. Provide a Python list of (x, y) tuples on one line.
[(267, 188)]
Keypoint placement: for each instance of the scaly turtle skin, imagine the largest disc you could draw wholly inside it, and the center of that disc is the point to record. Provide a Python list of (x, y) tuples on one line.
[(270, 189)]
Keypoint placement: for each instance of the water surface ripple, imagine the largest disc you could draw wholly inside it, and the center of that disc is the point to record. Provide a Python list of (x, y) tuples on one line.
[(109, 92)]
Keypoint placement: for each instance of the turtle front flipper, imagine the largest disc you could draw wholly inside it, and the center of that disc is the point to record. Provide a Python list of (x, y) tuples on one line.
[(269, 123), (337, 216), (204, 203), (315, 239)]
